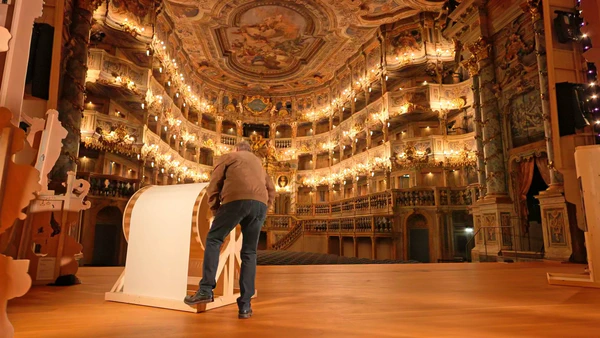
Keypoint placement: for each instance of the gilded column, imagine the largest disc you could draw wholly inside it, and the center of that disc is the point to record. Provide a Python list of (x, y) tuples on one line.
[(386, 131), (240, 129), (219, 127), (388, 179), (72, 95), (294, 191), (272, 131), (490, 115), (185, 110), (471, 65), (540, 51), (294, 134)]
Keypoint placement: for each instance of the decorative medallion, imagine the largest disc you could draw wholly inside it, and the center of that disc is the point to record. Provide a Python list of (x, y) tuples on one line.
[(283, 181), (257, 105)]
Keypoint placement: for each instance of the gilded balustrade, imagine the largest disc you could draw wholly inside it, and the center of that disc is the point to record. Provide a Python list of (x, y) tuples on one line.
[(110, 185), (228, 140), (349, 225), (278, 222), (283, 143), (385, 202)]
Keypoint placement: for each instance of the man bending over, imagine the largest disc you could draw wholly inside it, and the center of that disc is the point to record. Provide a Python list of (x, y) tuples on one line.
[(239, 192)]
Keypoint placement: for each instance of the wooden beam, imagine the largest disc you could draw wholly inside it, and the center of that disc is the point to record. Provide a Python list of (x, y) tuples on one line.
[(59, 11)]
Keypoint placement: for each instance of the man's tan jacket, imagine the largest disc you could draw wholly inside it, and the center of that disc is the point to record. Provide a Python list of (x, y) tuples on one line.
[(239, 176)]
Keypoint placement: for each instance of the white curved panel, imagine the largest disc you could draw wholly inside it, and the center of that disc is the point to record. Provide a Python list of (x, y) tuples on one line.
[(159, 241)]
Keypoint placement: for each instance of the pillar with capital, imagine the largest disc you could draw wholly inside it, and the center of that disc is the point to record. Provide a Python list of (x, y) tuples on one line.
[(553, 205), (495, 211), (240, 129), (294, 134), (273, 131), (473, 68), (72, 95), (491, 120), (219, 124)]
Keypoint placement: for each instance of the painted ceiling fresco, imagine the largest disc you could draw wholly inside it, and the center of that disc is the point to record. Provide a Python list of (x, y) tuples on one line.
[(276, 46)]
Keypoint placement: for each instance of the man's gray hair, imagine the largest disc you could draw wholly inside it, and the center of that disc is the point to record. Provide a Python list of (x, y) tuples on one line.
[(243, 146)]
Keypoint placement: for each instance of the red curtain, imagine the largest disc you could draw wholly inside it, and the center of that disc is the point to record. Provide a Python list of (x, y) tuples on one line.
[(525, 176), (542, 165)]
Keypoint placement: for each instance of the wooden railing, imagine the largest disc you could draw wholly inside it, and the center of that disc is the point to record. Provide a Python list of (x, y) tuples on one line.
[(228, 140), (279, 222), (289, 238), (385, 202), (110, 185), (283, 143), (348, 225)]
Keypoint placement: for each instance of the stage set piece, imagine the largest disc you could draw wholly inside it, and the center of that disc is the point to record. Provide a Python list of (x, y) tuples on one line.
[(587, 160), (165, 227)]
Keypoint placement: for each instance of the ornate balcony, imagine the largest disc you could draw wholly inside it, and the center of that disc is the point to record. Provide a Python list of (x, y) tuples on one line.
[(367, 225), (386, 202), (115, 71), (111, 186), (278, 222)]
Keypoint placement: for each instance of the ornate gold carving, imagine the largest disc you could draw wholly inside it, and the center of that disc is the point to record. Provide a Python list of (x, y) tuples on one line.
[(472, 66), (412, 158), (533, 6), (481, 49), (556, 226), (89, 5), (118, 141), (257, 105)]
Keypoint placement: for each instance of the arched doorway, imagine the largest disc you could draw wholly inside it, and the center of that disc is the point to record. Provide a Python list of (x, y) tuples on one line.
[(109, 243), (418, 238)]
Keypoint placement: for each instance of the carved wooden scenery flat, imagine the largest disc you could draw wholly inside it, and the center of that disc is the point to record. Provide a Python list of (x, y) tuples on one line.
[(18, 183)]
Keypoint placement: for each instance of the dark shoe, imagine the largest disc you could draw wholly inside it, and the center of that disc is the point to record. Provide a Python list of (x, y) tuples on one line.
[(200, 297), (245, 314)]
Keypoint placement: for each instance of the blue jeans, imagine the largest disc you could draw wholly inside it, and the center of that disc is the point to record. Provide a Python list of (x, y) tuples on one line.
[(251, 215)]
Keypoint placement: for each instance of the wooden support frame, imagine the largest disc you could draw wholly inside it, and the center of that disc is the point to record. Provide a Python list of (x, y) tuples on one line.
[(185, 265)]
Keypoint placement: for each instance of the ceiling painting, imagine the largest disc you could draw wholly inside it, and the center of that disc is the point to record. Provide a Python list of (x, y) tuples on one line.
[(270, 40), (279, 47)]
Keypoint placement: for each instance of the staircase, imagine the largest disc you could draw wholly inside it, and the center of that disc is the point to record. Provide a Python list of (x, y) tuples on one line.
[(289, 238)]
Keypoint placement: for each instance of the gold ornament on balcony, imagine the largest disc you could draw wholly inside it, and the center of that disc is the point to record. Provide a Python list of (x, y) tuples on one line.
[(411, 158), (116, 141), (464, 158)]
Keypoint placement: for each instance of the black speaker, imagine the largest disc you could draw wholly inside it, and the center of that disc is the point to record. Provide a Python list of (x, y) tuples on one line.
[(40, 60), (572, 111), (566, 27)]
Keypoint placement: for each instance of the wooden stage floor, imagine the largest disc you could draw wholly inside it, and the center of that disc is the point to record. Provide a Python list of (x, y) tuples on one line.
[(421, 300)]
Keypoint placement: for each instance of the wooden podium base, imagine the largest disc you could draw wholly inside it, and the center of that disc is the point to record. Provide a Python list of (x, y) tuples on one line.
[(582, 280), (170, 304), (117, 295)]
